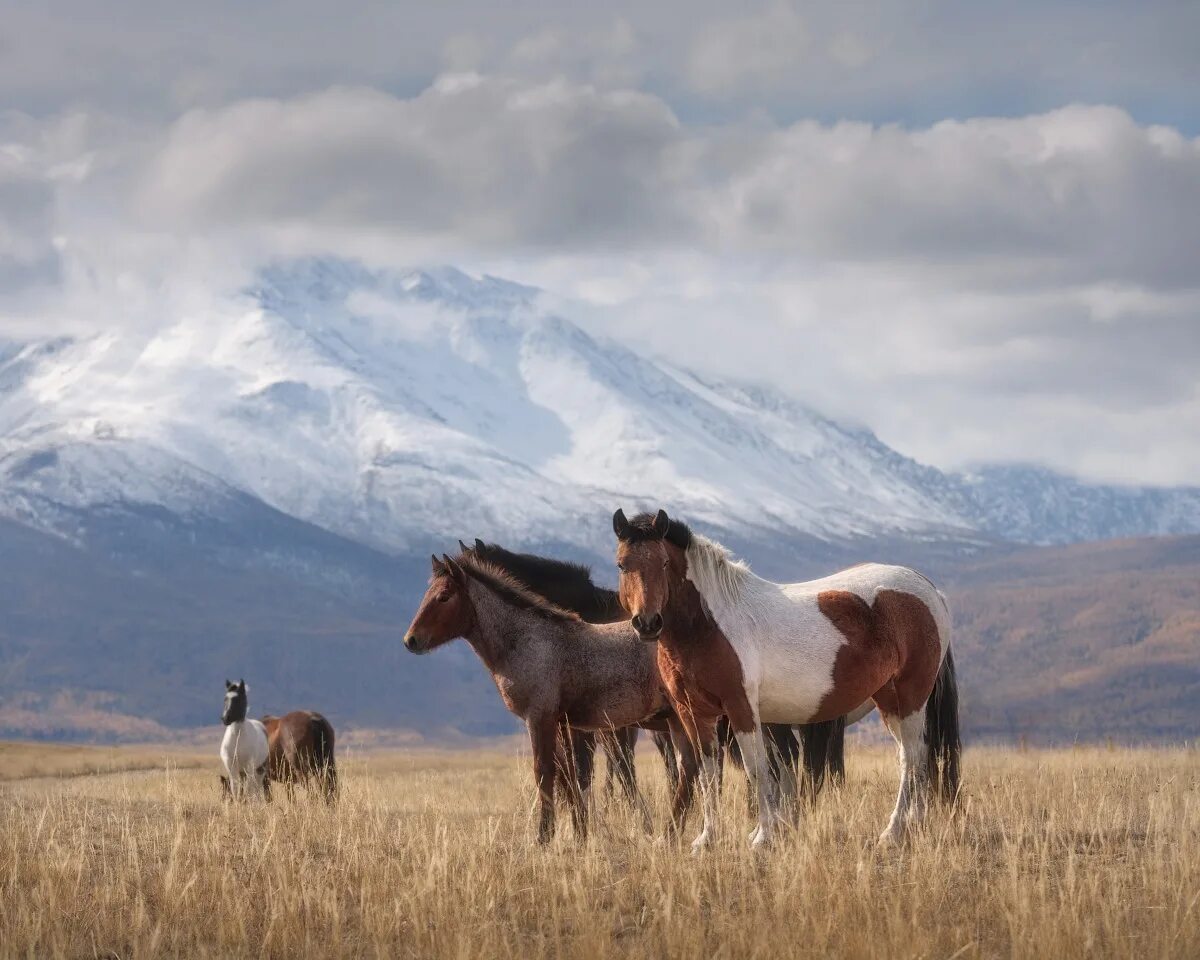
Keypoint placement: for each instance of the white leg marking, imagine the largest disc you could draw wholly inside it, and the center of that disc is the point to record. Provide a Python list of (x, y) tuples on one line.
[(914, 779), (754, 756), (710, 775)]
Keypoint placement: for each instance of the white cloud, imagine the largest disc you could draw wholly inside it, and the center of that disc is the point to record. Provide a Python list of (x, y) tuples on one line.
[(1078, 195)]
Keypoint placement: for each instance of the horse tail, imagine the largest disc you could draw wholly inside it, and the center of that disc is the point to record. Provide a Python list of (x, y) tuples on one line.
[(942, 732), (823, 750), (323, 761)]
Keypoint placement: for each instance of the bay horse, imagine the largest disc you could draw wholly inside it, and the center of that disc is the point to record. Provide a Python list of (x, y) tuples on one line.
[(730, 642), (553, 670), (570, 585), (243, 747), (300, 750)]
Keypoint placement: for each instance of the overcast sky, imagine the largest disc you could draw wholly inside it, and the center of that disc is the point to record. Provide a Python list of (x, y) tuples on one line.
[(974, 228)]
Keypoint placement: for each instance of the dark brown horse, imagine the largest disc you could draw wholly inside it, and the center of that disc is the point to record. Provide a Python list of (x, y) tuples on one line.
[(300, 750), (552, 669)]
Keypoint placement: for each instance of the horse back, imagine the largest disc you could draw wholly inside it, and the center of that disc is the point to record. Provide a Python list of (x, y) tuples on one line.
[(302, 740)]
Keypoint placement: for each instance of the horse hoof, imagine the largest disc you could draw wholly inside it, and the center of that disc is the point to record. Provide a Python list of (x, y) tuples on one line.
[(760, 840), (701, 843), (889, 839)]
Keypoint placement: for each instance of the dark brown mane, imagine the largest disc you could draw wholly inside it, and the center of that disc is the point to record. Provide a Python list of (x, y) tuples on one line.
[(510, 590), (641, 529)]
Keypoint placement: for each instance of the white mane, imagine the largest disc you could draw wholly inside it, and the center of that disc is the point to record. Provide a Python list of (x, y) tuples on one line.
[(714, 571)]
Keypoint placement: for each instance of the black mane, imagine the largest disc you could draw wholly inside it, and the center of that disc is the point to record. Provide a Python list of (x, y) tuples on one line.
[(641, 529), (565, 584), (509, 589)]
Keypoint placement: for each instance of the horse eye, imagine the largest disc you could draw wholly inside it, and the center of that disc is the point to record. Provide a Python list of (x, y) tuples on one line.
[(665, 562), (621, 567), (443, 597)]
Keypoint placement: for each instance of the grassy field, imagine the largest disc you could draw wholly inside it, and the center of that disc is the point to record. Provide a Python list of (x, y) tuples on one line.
[(1073, 853)]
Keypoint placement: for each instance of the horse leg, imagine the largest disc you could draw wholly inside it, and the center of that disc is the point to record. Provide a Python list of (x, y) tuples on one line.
[(726, 744), (686, 773), (914, 774), (837, 752), (626, 743), (611, 747), (576, 753), (704, 739), (666, 749), (783, 754), (758, 769), (543, 737)]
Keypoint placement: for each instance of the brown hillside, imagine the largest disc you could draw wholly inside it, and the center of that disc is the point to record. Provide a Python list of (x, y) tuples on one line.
[(1099, 639)]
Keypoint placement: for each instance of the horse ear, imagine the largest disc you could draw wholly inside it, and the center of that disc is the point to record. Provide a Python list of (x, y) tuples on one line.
[(480, 546), (662, 523), (228, 685), (620, 524), (455, 570), (438, 567), (242, 685), (463, 547)]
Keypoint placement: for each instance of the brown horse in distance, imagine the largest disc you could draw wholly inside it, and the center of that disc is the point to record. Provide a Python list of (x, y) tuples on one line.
[(300, 750)]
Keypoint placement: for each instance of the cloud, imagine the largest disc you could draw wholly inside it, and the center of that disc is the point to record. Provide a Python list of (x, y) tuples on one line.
[(478, 160), (874, 60), (909, 217), (1077, 195)]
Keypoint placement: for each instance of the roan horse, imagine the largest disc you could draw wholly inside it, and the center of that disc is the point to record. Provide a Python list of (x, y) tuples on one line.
[(300, 750), (732, 643), (552, 669), (570, 586), (243, 747)]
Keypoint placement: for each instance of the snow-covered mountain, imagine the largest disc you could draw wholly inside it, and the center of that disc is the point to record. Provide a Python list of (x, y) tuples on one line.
[(396, 409)]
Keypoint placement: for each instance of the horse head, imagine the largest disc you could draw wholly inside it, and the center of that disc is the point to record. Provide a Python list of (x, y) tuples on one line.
[(236, 702), (445, 611), (650, 556)]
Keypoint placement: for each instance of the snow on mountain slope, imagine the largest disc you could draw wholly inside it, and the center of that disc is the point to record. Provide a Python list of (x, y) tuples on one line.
[(395, 408)]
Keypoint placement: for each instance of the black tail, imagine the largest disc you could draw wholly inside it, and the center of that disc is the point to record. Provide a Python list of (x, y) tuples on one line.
[(823, 748), (941, 731), (323, 762)]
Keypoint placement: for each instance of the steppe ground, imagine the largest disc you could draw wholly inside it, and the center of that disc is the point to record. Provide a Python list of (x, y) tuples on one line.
[(1063, 853)]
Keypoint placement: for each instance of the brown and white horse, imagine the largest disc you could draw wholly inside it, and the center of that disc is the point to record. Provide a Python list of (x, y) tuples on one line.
[(732, 643)]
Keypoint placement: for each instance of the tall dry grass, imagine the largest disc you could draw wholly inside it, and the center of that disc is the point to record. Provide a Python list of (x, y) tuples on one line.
[(1084, 853)]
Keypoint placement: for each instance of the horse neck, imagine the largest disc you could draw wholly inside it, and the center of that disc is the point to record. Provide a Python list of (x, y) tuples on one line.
[(721, 586), (685, 617), (494, 626)]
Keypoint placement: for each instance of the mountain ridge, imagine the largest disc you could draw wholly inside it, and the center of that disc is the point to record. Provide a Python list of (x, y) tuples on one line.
[(382, 405)]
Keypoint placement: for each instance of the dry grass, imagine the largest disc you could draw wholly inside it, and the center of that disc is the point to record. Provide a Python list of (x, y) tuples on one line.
[(1086, 853), (22, 760)]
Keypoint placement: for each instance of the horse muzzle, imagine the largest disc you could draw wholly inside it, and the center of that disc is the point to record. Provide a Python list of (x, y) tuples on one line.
[(648, 628), (413, 644)]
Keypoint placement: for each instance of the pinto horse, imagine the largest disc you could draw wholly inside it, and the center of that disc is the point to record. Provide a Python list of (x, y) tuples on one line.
[(300, 750), (731, 643), (553, 670), (243, 747)]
